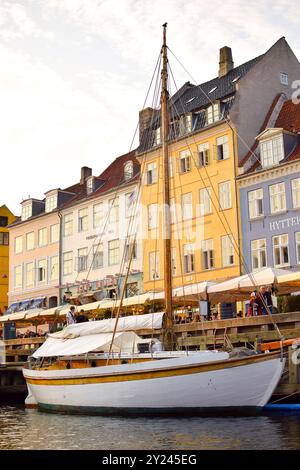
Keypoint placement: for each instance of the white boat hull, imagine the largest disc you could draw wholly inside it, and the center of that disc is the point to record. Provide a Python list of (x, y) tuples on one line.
[(182, 385)]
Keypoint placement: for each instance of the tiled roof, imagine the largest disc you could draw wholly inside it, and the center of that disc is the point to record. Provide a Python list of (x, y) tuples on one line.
[(289, 120), (112, 177), (289, 117)]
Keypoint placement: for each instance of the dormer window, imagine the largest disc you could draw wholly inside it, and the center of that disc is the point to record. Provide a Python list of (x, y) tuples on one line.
[(157, 137), (90, 185), (271, 151), (128, 170), (185, 124), (51, 202), (26, 211), (213, 114)]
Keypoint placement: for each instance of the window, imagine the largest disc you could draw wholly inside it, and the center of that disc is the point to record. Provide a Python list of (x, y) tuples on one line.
[(296, 192), (297, 236), (67, 263), (227, 250), (54, 233), (4, 238), (187, 206), (271, 151), (255, 202), (18, 277), (30, 274), (98, 214), (154, 268), (151, 174), (129, 249), (82, 259), (173, 214), (26, 211), (185, 124), (129, 203), (68, 225), (157, 136), (98, 256), (222, 148), (277, 198), (188, 258), (281, 250), (152, 216), (83, 220), (18, 244), (113, 252), (205, 201), (203, 154), (51, 203), (171, 173), (54, 268), (284, 78), (173, 261), (114, 210), (90, 183), (30, 241), (213, 113), (259, 253), (208, 254), (128, 170), (225, 195), (3, 221), (42, 270), (42, 236), (185, 161)]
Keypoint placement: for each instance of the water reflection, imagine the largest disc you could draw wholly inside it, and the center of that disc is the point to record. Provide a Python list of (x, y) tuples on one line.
[(29, 429)]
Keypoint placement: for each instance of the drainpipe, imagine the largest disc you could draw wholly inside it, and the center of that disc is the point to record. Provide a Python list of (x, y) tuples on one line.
[(60, 256)]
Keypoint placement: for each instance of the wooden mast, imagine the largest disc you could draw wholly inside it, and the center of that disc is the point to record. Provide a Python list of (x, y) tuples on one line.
[(166, 184)]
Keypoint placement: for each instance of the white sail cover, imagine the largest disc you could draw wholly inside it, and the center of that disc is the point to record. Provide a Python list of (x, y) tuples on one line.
[(132, 323), (125, 341)]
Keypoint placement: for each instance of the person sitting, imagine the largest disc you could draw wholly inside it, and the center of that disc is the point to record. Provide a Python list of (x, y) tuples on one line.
[(81, 318)]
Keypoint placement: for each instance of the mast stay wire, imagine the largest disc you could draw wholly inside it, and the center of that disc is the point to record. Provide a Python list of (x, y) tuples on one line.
[(232, 240)]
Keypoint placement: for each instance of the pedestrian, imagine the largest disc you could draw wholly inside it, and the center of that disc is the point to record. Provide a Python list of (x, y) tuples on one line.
[(71, 316), (81, 318), (252, 309), (266, 295)]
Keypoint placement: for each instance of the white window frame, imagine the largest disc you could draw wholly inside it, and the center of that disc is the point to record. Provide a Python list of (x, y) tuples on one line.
[(54, 268), (83, 219), (271, 151), (281, 243), (30, 245), (258, 252), (255, 203), (68, 224), (222, 148), (98, 256), (154, 265), (203, 154), (227, 250), (54, 233), (30, 274), (152, 216), (113, 207), (18, 277), (185, 161), (205, 195), (284, 78), (82, 259), (128, 170), (113, 252), (295, 185), (42, 269), (26, 211), (67, 263), (189, 258), (19, 244), (213, 113), (208, 257), (277, 198), (225, 197), (51, 203), (42, 237), (151, 173)]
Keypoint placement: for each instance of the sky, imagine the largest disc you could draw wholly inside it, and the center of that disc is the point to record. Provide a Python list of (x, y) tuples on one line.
[(74, 75)]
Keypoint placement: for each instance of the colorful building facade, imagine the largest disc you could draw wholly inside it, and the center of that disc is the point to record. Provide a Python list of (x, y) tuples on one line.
[(6, 218)]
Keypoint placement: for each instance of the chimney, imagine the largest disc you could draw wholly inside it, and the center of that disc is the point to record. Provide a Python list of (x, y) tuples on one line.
[(226, 62), (145, 116), (85, 173)]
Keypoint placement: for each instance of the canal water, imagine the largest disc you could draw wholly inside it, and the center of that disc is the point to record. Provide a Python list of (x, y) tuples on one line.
[(30, 429)]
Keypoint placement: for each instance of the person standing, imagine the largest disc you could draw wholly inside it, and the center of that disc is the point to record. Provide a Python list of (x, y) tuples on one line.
[(71, 316), (267, 306)]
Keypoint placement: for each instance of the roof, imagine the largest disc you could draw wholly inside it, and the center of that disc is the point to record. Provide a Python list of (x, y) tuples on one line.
[(289, 120)]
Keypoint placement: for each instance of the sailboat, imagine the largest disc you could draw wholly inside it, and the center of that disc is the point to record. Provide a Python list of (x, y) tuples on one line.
[(105, 367)]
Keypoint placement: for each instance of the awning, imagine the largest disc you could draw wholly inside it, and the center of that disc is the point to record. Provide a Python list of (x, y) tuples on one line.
[(126, 341), (90, 306), (12, 308), (24, 304), (37, 302)]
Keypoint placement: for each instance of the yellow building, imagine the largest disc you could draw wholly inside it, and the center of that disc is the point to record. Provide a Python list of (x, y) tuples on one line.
[(203, 208), (6, 218)]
